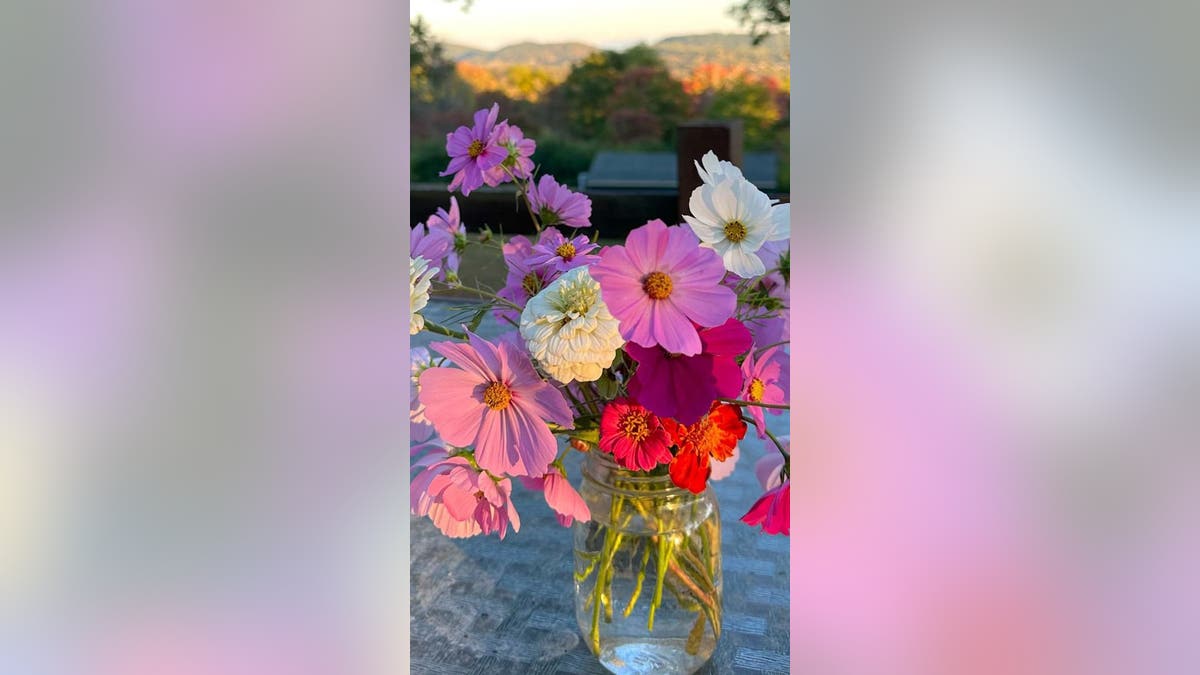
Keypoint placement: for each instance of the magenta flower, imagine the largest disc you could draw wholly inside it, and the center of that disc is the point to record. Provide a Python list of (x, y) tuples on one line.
[(432, 245), (461, 500), (684, 387), (772, 510), (661, 284), (519, 149), (765, 381), (554, 204), (451, 223), (473, 151), (495, 402), (556, 252), (561, 496)]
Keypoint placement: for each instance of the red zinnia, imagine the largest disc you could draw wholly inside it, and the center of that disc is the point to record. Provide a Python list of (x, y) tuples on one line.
[(633, 435), (712, 438)]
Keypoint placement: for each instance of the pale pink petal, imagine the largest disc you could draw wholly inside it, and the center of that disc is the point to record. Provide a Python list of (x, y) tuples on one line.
[(672, 330), (548, 403), (466, 358), (496, 442), (451, 405), (709, 305), (563, 498), (724, 469)]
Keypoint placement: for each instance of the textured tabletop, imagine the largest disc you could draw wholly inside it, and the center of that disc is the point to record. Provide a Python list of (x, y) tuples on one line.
[(486, 606)]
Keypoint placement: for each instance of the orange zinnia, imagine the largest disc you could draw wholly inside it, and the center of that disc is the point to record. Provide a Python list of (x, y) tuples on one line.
[(713, 437)]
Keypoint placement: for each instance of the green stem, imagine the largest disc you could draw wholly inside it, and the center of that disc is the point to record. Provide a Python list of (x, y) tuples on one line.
[(664, 552), (759, 404), (442, 330), (641, 578), (484, 294)]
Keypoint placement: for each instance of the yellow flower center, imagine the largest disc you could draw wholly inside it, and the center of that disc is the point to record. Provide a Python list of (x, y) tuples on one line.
[(735, 231), (497, 396), (566, 251), (531, 284), (657, 285), (475, 149), (634, 426), (755, 393)]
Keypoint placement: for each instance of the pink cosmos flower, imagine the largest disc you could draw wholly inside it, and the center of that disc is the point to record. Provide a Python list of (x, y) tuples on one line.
[(766, 381), (661, 284), (561, 496), (473, 151), (554, 204), (524, 280), (519, 149), (555, 251), (772, 510), (495, 402), (449, 222), (461, 500), (634, 436), (684, 387)]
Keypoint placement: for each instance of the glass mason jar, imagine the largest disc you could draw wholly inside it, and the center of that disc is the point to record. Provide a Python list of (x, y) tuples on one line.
[(647, 570)]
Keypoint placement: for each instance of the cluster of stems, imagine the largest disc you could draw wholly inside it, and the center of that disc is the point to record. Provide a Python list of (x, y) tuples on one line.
[(681, 547)]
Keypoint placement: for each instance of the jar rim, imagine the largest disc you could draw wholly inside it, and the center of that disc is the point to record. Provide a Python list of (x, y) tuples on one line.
[(662, 483)]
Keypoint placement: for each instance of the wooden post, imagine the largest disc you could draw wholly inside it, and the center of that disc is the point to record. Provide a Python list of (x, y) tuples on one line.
[(694, 139)]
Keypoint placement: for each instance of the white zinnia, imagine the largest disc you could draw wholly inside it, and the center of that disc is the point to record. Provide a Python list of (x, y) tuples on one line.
[(735, 219), (419, 274), (569, 330)]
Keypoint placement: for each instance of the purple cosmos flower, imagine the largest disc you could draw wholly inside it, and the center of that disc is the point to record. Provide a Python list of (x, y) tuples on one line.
[(519, 149), (684, 387), (524, 279), (432, 245), (495, 402), (661, 284), (555, 251), (450, 223), (554, 204), (473, 151), (765, 381)]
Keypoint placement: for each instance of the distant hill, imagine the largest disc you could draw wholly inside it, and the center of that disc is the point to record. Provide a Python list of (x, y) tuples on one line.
[(557, 57), (681, 54)]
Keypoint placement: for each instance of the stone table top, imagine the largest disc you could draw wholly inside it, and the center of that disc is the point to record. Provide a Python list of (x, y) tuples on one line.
[(485, 606)]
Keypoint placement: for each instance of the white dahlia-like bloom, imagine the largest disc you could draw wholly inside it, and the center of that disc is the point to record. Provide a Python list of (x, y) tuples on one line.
[(419, 274), (735, 219), (569, 330)]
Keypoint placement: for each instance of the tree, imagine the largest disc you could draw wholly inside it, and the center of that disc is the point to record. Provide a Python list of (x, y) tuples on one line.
[(754, 104), (636, 82), (762, 16)]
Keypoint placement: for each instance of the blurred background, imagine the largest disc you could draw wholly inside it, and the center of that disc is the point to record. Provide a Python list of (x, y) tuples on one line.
[(603, 89)]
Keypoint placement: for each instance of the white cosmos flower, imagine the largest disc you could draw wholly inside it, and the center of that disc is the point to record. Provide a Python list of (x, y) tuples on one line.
[(419, 274), (569, 330), (715, 169), (735, 219)]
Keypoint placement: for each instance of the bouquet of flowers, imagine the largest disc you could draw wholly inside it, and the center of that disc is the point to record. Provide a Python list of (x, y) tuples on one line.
[(660, 352)]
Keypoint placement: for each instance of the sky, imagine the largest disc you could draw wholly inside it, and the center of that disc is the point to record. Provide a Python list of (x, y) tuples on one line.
[(610, 24)]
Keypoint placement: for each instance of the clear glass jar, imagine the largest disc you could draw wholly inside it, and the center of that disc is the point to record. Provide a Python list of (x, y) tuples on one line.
[(654, 552)]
